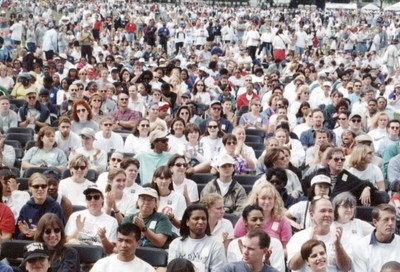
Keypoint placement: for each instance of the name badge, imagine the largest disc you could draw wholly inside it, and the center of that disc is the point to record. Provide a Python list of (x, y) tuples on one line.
[(152, 224), (275, 226)]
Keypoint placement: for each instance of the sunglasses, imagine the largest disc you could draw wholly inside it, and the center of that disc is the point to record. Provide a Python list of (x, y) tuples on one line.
[(90, 197), (49, 231), (181, 164), (145, 125), (216, 108), (79, 167), (37, 186), (394, 128), (31, 97), (212, 126), (81, 110), (356, 120), (337, 159), (116, 159), (108, 125), (231, 143)]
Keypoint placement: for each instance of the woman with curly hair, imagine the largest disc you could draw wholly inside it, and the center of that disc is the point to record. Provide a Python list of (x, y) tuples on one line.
[(82, 117), (268, 198)]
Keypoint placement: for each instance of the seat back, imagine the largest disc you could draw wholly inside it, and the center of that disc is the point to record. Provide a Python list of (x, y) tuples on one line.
[(91, 174), (23, 184), (89, 254), (18, 102), (202, 178), (13, 251), (30, 171), (77, 208), (256, 145), (231, 217), (23, 138), (30, 144), (22, 130), (154, 256), (246, 179), (13, 143), (257, 132), (364, 213), (254, 138)]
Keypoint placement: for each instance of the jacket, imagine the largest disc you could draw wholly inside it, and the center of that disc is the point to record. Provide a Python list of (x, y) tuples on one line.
[(235, 198)]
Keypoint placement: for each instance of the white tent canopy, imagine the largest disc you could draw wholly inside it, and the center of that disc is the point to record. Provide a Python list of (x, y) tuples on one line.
[(395, 7), (340, 6), (370, 7)]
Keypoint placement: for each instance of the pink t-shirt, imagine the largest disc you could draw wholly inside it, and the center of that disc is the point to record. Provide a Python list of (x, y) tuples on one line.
[(280, 229)]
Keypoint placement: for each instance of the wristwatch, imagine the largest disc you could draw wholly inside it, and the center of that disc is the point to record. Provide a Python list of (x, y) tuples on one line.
[(144, 229)]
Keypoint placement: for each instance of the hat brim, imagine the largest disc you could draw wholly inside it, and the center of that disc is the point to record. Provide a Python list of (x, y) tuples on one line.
[(146, 194), (91, 190), (34, 256)]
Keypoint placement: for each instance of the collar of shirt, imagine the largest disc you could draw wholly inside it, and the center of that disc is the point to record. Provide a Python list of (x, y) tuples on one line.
[(375, 241)]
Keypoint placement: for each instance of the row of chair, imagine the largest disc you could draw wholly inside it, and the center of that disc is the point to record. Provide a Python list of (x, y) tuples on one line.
[(13, 251)]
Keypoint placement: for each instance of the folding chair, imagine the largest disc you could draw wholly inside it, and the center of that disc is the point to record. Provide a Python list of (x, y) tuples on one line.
[(154, 256), (246, 179), (254, 138), (202, 178), (23, 138)]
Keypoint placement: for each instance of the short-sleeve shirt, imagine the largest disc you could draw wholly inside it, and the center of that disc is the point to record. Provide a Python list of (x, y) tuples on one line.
[(157, 222)]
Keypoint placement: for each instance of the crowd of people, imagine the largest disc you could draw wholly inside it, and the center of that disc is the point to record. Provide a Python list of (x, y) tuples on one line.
[(130, 104)]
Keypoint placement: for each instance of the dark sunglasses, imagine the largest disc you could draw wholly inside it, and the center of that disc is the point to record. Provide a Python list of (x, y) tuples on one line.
[(337, 159), (81, 110), (108, 125), (116, 159), (212, 126), (31, 97), (37, 186), (79, 167), (49, 231), (145, 125), (178, 164), (231, 143), (95, 197), (356, 120), (216, 108)]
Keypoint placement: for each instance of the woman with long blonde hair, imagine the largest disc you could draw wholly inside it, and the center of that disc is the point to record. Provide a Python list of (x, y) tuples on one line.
[(378, 129), (268, 198), (361, 166)]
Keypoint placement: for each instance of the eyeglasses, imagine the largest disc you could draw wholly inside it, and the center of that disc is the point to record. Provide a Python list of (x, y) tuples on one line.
[(337, 159), (231, 143), (214, 127), (178, 164), (116, 159), (49, 231), (124, 99), (318, 197), (81, 110), (216, 108), (394, 128), (145, 125), (356, 120), (81, 167), (90, 197), (37, 186), (31, 97)]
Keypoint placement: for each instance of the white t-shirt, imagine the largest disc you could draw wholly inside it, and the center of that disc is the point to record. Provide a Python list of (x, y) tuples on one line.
[(277, 257), (111, 263), (223, 225), (372, 173), (175, 203), (74, 191), (191, 188), (114, 142), (91, 226), (136, 145), (73, 141)]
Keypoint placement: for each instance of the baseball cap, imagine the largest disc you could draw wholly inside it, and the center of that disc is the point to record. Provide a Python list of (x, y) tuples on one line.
[(215, 102), (157, 134), (88, 132), (149, 192), (92, 188), (91, 71), (354, 114), (35, 250), (319, 179), (363, 138), (225, 159), (163, 106)]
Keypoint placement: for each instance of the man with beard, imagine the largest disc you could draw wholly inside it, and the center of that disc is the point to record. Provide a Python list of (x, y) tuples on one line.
[(65, 138), (321, 214)]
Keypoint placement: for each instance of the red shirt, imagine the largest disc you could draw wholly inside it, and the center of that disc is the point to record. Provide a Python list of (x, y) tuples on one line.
[(97, 25), (130, 27), (7, 221), (242, 100)]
